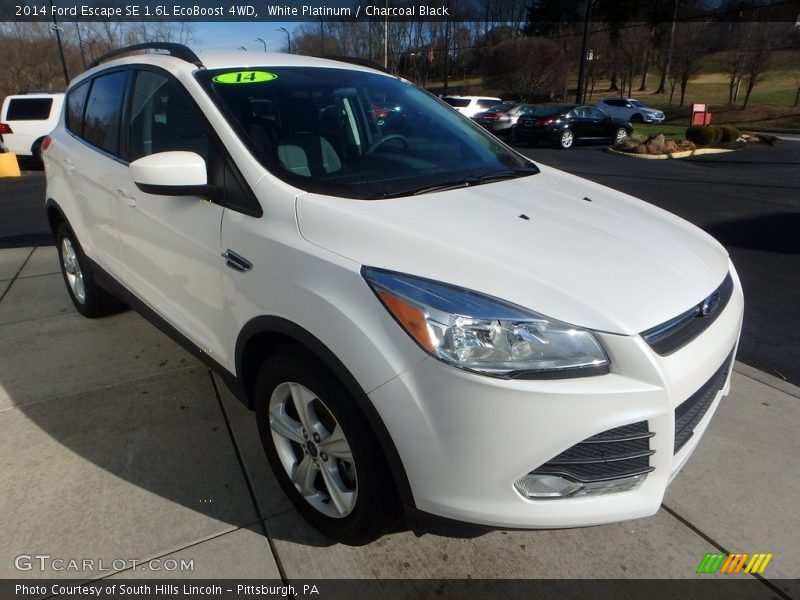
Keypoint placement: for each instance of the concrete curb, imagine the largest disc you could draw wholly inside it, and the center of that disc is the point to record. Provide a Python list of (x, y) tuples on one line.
[(767, 379), (683, 154)]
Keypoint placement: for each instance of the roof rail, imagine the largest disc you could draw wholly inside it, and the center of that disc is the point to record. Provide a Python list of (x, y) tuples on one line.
[(361, 62), (176, 50)]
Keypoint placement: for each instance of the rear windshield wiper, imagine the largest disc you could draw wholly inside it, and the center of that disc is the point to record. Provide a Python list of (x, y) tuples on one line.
[(469, 180)]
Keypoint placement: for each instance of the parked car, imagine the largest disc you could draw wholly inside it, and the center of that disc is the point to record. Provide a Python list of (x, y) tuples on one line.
[(26, 119), (428, 325), (566, 124), (628, 109), (500, 119), (469, 105)]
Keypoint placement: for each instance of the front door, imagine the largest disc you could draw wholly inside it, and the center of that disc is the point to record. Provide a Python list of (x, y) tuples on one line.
[(171, 244)]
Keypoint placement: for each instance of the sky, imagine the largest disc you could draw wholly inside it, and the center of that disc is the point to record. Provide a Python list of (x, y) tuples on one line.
[(229, 36)]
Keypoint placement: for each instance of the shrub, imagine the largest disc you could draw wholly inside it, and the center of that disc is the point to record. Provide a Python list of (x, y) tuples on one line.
[(704, 136), (729, 134)]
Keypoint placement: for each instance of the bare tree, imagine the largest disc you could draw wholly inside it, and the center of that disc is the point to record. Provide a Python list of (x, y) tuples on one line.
[(760, 41), (531, 68), (687, 56)]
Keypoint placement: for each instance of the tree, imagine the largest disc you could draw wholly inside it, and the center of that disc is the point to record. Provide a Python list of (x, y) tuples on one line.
[(760, 41), (531, 68), (688, 52)]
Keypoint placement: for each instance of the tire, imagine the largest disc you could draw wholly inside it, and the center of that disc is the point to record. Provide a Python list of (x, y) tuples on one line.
[(36, 151), (637, 118), (566, 140), (367, 505), (90, 299), (620, 135)]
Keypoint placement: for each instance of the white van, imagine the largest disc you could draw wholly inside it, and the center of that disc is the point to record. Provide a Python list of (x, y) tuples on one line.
[(26, 119)]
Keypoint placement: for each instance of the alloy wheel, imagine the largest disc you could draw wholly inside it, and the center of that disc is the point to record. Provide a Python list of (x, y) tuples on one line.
[(567, 139), (313, 449), (72, 269)]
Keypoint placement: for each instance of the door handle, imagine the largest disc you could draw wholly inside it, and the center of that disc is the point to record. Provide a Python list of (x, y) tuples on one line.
[(126, 198), (236, 262)]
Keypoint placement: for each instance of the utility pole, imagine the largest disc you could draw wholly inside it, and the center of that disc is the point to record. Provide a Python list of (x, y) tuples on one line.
[(386, 38), (584, 49), (446, 51), (57, 29), (263, 42), (80, 44)]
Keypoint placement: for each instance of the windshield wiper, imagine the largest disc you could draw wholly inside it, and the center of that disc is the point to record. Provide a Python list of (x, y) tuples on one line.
[(468, 181)]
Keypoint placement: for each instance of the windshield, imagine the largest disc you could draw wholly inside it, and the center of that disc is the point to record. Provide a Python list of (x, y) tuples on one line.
[(356, 134)]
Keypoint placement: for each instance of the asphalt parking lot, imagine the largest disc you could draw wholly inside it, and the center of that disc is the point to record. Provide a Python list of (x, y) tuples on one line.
[(115, 443)]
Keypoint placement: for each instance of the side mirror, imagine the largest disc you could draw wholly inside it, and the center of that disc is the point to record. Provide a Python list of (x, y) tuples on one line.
[(172, 174)]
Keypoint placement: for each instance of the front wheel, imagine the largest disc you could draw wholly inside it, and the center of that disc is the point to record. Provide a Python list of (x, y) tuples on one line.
[(322, 450), (566, 140)]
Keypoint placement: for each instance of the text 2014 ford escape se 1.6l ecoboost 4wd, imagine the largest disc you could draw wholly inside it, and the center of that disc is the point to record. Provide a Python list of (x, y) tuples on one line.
[(427, 325)]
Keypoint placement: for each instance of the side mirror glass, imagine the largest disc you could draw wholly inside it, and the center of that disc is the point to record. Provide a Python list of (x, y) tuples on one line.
[(172, 174)]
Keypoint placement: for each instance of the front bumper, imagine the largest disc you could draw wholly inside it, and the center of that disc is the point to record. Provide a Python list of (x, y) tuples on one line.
[(464, 439), (650, 118)]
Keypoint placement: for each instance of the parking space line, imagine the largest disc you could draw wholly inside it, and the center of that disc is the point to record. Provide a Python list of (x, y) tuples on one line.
[(247, 481), (721, 548), (16, 275)]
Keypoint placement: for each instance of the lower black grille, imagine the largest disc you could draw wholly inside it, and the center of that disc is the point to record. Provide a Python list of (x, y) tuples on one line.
[(620, 452), (690, 412)]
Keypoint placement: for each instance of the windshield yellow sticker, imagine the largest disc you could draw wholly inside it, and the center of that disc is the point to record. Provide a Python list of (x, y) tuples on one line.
[(245, 77)]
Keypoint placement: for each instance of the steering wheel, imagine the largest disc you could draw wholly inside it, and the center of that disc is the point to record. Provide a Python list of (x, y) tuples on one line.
[(392, 136)]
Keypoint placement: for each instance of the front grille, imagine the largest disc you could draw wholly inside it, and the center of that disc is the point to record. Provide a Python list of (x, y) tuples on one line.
[(689, 413), (674, 334), (620, 452)]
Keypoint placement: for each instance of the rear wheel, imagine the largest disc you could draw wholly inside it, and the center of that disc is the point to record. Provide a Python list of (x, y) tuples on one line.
[(620, 135), (567, 139), (323, 451), (89, 299)]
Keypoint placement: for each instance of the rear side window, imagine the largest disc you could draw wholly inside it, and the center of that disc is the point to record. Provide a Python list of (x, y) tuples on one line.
[(29, 109), (487, 102), (103, 108), (75, 102), (457, 102)]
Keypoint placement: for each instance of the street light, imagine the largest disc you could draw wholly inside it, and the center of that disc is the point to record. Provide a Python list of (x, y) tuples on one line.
[(242, 48), (288, 38), (263, 42)]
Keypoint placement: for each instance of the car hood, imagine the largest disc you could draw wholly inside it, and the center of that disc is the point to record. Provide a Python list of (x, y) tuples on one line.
[(651, 110), (562, 246)]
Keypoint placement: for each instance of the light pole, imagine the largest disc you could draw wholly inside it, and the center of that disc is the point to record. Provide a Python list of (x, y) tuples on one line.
[(288, 38), (263, 42), (55, 27), (242, 48)]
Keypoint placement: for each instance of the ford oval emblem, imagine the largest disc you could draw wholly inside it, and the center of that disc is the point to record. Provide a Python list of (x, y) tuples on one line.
[(710, 304)]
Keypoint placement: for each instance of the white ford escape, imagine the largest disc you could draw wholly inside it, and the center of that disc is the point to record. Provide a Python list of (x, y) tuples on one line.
[(426, 324)]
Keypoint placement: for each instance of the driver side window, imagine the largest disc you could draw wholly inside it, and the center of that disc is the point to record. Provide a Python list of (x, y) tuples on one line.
[(163, 119)]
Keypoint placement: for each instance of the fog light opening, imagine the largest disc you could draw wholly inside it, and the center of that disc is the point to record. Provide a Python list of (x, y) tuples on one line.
[(535, 486)]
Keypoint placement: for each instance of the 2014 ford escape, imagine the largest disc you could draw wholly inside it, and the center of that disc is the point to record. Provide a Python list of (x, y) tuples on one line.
[(427, 324)]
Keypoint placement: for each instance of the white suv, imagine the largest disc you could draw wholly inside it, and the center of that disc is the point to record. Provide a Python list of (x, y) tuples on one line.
[(426, 323), (26, 119)]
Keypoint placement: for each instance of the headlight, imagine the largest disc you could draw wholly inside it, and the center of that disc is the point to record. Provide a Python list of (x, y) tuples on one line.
[(481, 333)]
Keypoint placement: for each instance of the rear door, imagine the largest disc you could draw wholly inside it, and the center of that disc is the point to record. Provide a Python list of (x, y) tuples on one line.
[(93, 165), (171, 244)]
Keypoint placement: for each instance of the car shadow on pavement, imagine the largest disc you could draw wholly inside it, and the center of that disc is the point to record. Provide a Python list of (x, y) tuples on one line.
[(776, 232)]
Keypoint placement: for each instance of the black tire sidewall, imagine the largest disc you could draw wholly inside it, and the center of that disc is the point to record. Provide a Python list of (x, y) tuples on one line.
[(377, 506)]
